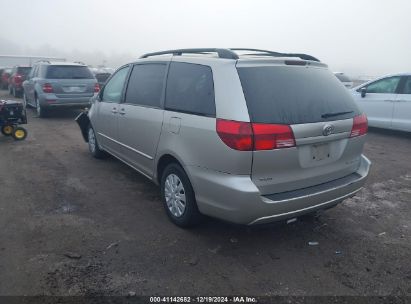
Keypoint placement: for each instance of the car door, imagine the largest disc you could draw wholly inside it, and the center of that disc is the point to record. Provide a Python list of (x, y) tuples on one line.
[(378, 102), (141, 115), (28, 85), (401, 119), (106, 120)]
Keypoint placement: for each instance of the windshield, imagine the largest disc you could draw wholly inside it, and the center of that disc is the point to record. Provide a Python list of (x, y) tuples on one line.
[(294, 95), (68, 72)]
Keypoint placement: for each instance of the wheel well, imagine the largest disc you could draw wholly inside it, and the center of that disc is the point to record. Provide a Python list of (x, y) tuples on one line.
[(162, 164)]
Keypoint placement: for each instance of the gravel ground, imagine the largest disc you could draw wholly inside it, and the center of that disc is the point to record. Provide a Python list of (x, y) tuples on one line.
[(74, 225)]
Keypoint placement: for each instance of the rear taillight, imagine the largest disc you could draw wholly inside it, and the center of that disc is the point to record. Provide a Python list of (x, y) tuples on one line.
[(235, 134), (18, 78), (96, 88), (47, 88), (359, 126), (245, 136), (270, 136)]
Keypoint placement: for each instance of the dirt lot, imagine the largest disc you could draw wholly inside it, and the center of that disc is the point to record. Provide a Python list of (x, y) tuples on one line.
[(56, 200)]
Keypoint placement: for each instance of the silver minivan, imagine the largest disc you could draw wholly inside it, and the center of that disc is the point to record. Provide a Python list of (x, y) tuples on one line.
[(248, 138)]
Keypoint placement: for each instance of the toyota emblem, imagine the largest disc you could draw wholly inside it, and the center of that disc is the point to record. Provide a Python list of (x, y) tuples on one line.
[(328, 130)]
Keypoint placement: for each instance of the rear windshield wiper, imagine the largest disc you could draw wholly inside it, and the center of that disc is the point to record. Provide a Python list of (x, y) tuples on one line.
[(327, 115)]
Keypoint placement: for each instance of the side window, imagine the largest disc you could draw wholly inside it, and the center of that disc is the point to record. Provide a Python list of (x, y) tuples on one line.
[(146, 84), (114, 88), (386, 85), (190, 89), (33, 72), (407, 86)]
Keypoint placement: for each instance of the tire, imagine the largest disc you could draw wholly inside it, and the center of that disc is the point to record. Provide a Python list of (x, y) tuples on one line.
[(175, 188), (93, 146), (19, 133), (7, 130), (25, 99), (41, 112)]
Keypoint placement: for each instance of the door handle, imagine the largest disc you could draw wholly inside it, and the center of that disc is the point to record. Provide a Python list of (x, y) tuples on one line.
[(114, 111), (122, 112)]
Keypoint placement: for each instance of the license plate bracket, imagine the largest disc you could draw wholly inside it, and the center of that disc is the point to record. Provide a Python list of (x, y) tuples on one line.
[(320, 152)]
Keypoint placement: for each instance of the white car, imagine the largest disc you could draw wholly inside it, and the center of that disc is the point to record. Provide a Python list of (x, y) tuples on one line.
[(386, 101), (346, 81)]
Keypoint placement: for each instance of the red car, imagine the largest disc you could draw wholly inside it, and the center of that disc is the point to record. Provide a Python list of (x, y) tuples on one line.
[(17, 77), (4, 78)]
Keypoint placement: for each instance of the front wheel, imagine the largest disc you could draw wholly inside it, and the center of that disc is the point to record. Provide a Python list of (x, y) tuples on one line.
[(93, 146), (178, 197), (7, 130)]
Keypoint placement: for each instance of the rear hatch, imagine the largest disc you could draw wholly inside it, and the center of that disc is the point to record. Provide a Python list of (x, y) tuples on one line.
[(71, 81), (318, 111)]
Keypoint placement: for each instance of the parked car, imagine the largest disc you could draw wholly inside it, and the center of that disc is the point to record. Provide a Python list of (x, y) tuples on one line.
[(17, 76), (59, 84), (101, 74), (1, 73), (347, 81), (247, 139), (386, 101), (4, 79)]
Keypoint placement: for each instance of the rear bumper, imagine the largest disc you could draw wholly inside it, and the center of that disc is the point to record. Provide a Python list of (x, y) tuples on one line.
[(237, 199), (52, 101)]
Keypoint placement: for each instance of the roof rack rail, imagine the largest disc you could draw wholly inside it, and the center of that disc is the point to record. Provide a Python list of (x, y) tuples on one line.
[(230, 53), (222, 53), (42, 60), (79, 62), (276, 54)]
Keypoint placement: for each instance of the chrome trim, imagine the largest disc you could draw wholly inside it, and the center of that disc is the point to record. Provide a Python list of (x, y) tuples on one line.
[(125, 146), (307, 208)]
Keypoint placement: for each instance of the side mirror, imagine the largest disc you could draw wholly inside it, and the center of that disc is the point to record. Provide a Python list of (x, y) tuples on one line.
[(363, 92)]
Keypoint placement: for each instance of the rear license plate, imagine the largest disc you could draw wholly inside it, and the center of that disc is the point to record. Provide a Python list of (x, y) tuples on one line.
[(320, 152), (73, 89)]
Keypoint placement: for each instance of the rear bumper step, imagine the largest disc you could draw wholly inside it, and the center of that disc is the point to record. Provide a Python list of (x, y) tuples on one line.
[(323, 196), (236, 198)]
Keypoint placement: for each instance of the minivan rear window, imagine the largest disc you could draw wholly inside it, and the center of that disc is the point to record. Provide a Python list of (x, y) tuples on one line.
[(68, 72), (295, 95)]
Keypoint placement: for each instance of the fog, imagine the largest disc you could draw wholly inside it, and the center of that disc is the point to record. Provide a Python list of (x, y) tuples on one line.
[(365, 37)]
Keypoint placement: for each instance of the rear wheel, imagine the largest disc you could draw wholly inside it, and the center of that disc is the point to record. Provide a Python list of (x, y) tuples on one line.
[(19, 133), (178, 197), (41, 112), (7, 130), (93, 144), (24, 99)]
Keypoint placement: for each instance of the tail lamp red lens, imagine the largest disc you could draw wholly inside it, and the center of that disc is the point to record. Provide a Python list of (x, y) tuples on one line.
[(360, 126), (96, 88), (47, 88), (235, 134), (246, 136)]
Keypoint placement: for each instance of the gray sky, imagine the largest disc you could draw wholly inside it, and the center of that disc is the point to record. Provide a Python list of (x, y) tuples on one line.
[(363, 37)]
